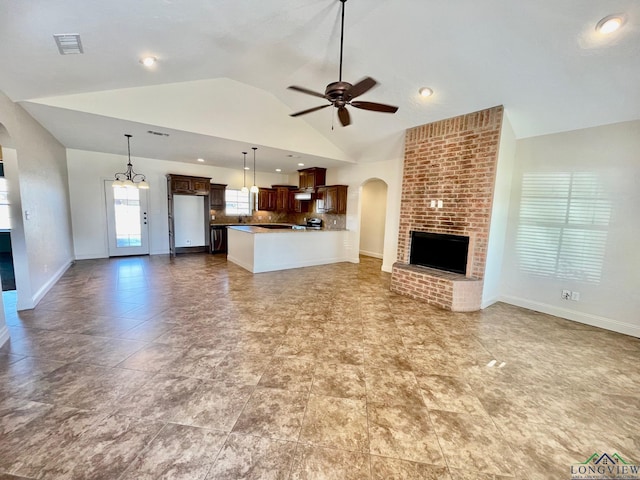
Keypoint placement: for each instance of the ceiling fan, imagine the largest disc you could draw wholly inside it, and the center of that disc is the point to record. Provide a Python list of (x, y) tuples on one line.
[(340, 94)]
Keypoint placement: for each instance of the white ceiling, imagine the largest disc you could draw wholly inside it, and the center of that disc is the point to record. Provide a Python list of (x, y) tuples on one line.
[(542, 60)]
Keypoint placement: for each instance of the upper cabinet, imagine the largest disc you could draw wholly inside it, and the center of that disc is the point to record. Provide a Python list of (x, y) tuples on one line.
[(332, 199), (267, 199), (186, 185), (217, 196), (310, 178), (282, 197)]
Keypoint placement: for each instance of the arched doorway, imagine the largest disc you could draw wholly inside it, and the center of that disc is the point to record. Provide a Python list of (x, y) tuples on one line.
[(373, 215)]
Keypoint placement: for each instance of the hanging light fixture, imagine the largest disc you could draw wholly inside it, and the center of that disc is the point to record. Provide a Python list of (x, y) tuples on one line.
[(130, 179), (254, 187), (244, 188)]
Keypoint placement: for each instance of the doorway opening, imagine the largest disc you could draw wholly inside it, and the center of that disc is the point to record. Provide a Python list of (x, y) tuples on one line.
[(7, 271), (373, 215), (127, 224)]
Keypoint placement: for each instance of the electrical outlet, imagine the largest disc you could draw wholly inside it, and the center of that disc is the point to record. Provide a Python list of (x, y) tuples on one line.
[(188, 242), (575, 296), (566, 294)]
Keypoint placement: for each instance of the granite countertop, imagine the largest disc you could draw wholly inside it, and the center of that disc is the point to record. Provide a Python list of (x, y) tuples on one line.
[(239, 224), (257, 229)]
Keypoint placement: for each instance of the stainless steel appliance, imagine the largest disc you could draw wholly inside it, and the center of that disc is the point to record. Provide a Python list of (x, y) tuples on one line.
[(218, 239), (314, 224)]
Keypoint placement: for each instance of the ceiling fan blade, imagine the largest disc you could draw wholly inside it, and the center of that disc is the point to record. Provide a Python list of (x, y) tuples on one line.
[(343, 115), (304, 112), (307, 91), (362, 86), (376, 107)]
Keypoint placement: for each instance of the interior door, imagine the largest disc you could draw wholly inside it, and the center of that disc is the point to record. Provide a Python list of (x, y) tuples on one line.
[(127, 224)]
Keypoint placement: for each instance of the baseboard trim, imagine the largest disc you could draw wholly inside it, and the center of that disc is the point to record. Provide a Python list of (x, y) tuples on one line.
[(196, 249), (488, 302), (90, 256), (580, 317), (39, 295), (4, 335), (371, 254)]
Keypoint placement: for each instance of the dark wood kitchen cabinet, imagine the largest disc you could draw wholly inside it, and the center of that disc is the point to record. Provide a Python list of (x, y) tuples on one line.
[(310, 178), (282, 197), (217, 196), (298, 206), (332, 199), (267, 199), (186, 185)]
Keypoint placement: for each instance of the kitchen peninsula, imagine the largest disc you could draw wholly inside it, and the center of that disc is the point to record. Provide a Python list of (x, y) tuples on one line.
[(259, 249)]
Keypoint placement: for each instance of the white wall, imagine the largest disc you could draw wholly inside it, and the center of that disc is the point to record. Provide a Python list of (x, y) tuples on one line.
[(87, 172), (610, 153), (251, 115), (188, 212), (41, 240), (499, 214), (373, 215), (355, 176)]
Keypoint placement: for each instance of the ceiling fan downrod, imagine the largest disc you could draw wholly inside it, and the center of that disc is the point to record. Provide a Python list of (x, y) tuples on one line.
[(342, 94), (341, 40)]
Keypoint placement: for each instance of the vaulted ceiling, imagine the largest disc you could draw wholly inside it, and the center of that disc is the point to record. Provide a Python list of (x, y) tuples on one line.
[(219, 84)]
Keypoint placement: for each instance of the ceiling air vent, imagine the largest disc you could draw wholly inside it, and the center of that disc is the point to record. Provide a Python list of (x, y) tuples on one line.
[(68, 43), (160, 134)]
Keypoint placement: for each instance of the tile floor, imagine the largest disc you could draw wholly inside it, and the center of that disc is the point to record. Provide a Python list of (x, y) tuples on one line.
[(192, 368)]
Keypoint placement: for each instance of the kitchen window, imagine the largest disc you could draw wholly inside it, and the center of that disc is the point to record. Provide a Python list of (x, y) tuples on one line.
[(237, 202)]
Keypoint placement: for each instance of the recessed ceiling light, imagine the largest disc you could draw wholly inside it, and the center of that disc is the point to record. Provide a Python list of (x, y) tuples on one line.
[(425, 92), (278, 169), (301, 164), (610, 24), (201, 159), (148, 61)]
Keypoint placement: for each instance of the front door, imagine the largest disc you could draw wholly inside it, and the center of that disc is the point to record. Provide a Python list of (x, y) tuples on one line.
[(126, 220)]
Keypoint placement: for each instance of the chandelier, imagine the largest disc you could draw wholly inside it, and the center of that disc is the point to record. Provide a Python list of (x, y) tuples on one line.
[(130, 179)]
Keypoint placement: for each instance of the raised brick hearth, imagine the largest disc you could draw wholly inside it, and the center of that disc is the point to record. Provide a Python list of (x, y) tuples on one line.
[(452, 160)]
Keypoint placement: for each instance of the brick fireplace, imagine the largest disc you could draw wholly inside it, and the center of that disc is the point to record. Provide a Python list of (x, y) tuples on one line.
[(452, 161)]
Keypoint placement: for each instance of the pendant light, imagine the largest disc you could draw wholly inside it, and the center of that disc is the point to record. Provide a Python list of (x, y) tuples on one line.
[(254, 187), (130, 179), (244, 188)]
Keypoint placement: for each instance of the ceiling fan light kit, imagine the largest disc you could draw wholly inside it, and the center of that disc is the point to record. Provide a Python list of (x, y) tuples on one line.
[(341, 94)]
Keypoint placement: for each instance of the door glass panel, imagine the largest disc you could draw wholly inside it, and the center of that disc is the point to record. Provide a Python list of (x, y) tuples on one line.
[(127, 217)]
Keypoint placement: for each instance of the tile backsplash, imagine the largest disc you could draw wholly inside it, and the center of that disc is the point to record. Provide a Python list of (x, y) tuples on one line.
[(330, 221)]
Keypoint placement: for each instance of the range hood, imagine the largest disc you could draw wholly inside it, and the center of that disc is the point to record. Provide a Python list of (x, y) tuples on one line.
[(303, 196)]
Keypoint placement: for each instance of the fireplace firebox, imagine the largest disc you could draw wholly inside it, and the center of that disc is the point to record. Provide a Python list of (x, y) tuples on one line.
[(441, 251)]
